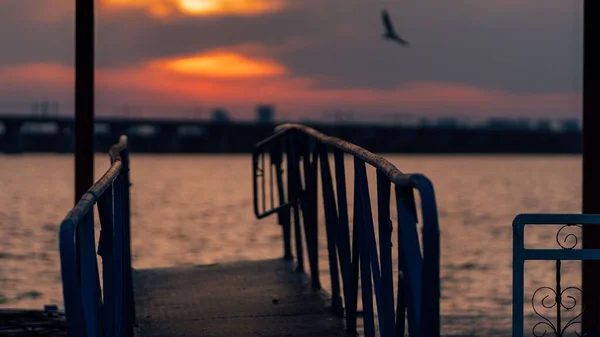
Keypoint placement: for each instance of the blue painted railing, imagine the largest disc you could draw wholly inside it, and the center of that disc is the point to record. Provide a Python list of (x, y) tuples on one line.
[(558, 299), (354, 254), (90, 310)]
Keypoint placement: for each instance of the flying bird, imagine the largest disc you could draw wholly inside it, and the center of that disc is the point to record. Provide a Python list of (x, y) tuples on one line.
[(390, 32)]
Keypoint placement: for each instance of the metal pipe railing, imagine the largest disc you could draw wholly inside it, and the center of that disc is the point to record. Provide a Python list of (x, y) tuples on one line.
[(90, 310), (354, 254), (556, 309)]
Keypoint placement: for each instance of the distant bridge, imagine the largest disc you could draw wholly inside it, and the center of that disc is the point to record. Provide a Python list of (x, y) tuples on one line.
[(54, 133)]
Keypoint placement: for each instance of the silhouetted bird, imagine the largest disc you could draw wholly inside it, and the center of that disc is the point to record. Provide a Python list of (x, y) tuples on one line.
[(390, 32)]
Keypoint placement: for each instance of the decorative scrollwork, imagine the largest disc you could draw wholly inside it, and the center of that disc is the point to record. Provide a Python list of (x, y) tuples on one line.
[(570, 240), (559, 300)]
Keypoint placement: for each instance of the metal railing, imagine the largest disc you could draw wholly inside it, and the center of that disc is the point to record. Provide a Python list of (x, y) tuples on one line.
[(354, 254), (555, 307), (90, 310)]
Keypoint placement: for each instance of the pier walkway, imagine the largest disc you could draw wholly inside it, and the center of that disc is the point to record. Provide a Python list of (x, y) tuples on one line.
[(255, 298), (280, 297)]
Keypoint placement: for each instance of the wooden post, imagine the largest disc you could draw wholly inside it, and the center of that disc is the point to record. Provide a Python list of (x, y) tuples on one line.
[(84, 96), (591, 165)]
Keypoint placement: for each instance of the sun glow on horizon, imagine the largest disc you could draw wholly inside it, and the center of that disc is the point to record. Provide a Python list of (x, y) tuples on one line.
[(223, 64), (166, 8), (242, 7)]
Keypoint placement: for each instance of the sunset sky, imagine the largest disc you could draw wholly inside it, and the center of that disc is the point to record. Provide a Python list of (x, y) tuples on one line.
[(467, 57)]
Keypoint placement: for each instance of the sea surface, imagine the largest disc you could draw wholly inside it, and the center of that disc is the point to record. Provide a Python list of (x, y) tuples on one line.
[(197, 209)]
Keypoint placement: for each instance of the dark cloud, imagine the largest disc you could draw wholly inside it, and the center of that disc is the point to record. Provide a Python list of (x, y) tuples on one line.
[(525, 46), (24, 38), (134, 37), (534, 48)]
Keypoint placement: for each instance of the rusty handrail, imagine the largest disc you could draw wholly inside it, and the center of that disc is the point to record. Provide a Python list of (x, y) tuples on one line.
[(90, 311), (304, 152), (396, 176)]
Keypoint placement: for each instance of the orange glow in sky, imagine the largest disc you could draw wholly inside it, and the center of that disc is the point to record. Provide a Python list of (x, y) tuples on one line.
[(165, 8), (249, 7), (222, 64)]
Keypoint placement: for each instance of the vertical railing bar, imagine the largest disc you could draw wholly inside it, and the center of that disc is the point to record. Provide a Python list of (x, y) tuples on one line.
[(310, 217), (263, 171), (284, 214), (90, 290), (255, 168), (431, 290), (401, 297), (410, 253), (126, 188), (119, 329), (298, 237), (365, 263), (385, 247), (294, 190), (70, 279), (558, 299), (271, 181), (124, 255), (331, 227), (369, 237), (518, 279), (356, 251), (106, 250), (314, 204), (343, 242)]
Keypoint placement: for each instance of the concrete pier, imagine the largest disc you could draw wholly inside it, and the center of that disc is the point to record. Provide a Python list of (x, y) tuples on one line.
[(254, 298)]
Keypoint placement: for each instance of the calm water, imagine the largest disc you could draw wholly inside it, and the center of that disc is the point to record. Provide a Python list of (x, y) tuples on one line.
[(198, 209)]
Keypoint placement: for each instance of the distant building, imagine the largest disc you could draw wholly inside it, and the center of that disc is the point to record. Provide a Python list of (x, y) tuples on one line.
[(265, 114), (508, 124), (571, 124), (543, 124), (220, 115), (501, 123), (45, 108), (447, 122), (523, 123), (424, 122)]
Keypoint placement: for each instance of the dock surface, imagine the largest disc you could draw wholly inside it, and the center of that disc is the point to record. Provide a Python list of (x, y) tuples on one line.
[(253, 298)]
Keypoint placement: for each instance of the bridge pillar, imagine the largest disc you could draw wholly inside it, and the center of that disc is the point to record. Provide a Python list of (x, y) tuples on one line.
[(116, 130), (64, 137), (12, 137), (169, 139)]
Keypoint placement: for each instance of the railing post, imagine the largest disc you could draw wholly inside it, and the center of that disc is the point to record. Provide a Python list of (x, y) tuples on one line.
[(343, 243), (431, 291), (283, 216), (385, 255), (309, 213), (590, 273), (90, 284), (70, 279), (119, 285), (126, 188), (409, 258), (332, 228), (360, 218), (106, 251), (84, 102), (294, 188), (518, 280)]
